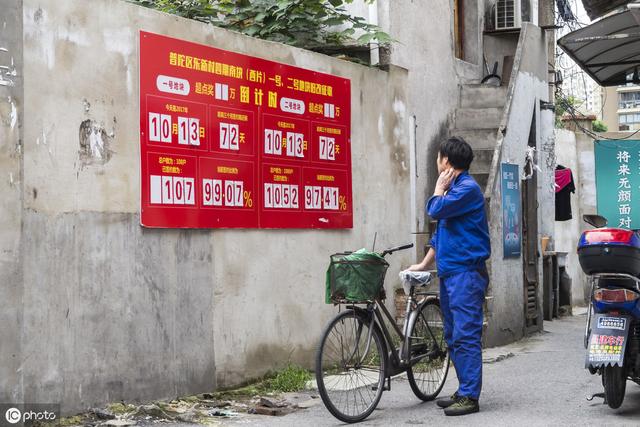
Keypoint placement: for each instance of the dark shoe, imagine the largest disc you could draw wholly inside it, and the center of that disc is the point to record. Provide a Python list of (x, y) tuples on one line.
[(448, 401), (463, 406)]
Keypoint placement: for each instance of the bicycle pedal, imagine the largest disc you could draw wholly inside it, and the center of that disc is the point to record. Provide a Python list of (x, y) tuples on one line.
[(602, 395), (384, 388)]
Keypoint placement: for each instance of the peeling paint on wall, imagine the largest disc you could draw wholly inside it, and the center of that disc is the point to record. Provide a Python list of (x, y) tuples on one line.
[(119, 40), (381, 129), (400, 109), (13, 115), (399, 138), (38, 15), (81, 38), (94, 143), (43, 40), (122, 41), (7, 69)]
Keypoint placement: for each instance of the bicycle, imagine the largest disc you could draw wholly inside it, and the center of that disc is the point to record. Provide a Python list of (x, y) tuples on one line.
[(356, 355)]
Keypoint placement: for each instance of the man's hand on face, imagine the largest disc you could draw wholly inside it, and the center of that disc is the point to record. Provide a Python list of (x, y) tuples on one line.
[(444, 181)]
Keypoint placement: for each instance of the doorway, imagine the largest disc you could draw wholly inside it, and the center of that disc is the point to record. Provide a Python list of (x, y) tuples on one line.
[(530, 255)]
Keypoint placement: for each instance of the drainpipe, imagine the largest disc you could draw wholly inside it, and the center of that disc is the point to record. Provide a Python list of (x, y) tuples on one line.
[(413, 172), (416, 213)]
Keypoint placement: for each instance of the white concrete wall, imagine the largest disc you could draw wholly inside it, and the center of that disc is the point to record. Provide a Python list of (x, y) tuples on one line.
[(567, 233), (113, 311)]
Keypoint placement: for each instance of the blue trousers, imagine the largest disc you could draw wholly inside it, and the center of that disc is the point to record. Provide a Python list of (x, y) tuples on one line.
[(461, 301)]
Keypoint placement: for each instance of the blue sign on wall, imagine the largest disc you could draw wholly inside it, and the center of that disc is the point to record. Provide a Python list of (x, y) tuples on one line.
[(618, 182), (511, 230)]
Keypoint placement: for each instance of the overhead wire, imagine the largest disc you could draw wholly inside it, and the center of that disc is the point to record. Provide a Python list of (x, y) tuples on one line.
[(564, 101)]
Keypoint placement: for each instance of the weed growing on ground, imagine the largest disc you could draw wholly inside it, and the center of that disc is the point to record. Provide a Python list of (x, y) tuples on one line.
[(291, 378)]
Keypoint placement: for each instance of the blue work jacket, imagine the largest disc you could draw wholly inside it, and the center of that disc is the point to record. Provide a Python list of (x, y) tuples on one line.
[(462, 239)]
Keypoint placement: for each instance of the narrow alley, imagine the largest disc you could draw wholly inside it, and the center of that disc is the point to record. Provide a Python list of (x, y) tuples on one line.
[(539, 381)]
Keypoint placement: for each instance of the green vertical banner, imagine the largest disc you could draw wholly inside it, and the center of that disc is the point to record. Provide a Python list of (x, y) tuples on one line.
[(618, 182)]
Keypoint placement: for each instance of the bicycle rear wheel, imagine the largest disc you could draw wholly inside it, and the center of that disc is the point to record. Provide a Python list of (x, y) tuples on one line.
[(350, 368), (427, 343)]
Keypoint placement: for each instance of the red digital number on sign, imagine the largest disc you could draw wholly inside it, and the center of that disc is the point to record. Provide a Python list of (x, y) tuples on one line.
[(281, 187), (329, 143), (285, 137), (230, 140), (232, 130), (228, 192), (175, 123), (172, 181), (324, 190)]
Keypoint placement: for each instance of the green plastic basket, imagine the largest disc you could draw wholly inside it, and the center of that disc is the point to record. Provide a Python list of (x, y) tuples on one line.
[(356, 277)]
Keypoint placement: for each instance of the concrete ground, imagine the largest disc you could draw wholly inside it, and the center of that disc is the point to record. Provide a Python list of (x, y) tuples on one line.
[(540, 381)]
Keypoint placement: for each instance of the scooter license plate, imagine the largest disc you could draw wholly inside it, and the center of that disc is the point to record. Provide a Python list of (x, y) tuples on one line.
[(608, 340)]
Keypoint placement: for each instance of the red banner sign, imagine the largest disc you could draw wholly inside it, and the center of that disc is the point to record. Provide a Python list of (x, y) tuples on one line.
[(233, 141)]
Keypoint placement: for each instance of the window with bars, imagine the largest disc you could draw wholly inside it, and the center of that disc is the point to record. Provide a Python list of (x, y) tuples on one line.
[(506, 14)]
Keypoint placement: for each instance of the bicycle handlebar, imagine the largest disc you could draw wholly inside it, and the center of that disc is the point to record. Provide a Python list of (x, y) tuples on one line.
[(397, 248)]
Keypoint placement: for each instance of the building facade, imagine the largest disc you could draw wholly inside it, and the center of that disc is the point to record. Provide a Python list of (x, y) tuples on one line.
[(96, 308), (621, 110)]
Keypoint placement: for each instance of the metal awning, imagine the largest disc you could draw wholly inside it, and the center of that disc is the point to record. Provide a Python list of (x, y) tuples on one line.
[(597, 8), (608, 50)]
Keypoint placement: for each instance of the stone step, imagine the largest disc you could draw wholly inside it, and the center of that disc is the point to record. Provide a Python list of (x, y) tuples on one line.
[(481, 161), (478, 118), (483, 96), (480, 139), (481, 179)]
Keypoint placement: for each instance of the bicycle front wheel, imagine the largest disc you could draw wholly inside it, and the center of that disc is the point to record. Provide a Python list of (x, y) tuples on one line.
[(428, 349), (350, 366)]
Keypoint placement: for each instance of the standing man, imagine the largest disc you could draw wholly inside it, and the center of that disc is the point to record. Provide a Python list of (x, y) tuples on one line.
[(460, 246)]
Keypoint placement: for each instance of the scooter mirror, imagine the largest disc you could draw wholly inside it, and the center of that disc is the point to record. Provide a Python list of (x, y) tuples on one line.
[(595, 220)]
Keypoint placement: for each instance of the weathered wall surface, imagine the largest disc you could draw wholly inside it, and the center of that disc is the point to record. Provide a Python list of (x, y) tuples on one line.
[(506, 323), (114, 311), (426, 48), (11, 118), (567, 233)]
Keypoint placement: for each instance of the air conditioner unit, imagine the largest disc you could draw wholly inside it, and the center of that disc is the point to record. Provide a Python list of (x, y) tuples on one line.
[(508, 14)]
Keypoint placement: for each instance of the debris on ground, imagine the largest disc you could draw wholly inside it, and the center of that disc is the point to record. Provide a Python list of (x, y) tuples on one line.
[(498, 358), (205, 409), (119, 423)]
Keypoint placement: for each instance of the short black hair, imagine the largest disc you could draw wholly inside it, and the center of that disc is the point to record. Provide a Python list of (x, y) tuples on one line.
[(458, 152)]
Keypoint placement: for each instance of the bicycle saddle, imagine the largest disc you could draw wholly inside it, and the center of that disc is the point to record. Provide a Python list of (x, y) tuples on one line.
[(413, 279)]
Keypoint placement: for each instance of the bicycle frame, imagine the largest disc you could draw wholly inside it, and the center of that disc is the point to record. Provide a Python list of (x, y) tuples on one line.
[(399, 359), (373, 357)]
